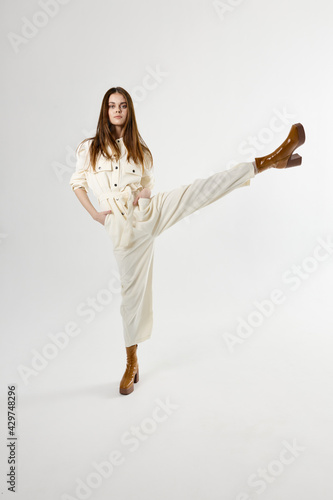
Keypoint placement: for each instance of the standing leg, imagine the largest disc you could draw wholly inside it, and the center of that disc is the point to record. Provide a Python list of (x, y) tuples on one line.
[(135, 266), (136, 272)]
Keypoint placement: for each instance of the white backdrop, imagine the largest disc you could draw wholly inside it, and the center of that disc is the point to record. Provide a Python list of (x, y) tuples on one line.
[(233, 400)]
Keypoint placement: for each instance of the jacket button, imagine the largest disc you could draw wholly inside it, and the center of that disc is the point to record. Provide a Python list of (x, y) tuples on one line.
[(116, 167), (99, 168), (133, 170), (122, 213), (115, 184)]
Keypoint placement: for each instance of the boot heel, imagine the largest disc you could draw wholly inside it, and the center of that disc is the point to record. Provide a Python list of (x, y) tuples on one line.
[(294, 161), (136, 377)]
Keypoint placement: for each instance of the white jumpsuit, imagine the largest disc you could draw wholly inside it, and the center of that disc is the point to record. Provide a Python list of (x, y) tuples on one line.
[(133, 228)]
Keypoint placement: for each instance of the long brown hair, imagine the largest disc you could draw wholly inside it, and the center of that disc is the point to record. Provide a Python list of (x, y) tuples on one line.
[(136, 147)]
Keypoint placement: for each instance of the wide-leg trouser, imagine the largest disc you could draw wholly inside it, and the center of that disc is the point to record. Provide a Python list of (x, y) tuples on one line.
[(150, 218)]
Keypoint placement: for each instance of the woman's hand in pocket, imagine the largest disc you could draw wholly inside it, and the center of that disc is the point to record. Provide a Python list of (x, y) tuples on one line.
[(101, 216), (144, 193)]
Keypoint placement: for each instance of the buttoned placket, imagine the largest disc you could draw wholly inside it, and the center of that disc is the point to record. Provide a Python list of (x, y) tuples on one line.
[(117, 198)]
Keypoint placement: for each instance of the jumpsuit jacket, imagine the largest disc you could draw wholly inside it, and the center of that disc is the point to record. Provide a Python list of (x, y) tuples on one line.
[(115, 183)]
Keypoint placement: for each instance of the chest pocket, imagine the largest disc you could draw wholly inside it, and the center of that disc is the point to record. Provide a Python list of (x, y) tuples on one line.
[(131, 172), (103, 164)]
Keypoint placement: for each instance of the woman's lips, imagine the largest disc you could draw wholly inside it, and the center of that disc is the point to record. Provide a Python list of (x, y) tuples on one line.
[(117, 116)]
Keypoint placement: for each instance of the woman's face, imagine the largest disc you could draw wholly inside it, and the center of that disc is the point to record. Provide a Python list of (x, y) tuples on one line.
[(117, 109)]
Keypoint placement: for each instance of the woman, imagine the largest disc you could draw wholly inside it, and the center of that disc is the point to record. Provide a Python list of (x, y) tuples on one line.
[(118, 167)]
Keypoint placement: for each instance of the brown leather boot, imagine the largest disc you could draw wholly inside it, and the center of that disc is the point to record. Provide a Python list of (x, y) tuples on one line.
[(282, 157), (131, 375)]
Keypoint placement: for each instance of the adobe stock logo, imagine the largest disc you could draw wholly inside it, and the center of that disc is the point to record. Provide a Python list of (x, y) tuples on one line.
[(31, 28), (223, 8), (131, 440), (58, 342), (294, 277), (260, 480), (151, 81)]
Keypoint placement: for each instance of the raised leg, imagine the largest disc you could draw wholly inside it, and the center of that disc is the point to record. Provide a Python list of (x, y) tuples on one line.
[(170, 207)]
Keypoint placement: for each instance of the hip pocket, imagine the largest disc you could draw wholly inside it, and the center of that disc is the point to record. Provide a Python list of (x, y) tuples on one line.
[(143, 209), (107, 219)]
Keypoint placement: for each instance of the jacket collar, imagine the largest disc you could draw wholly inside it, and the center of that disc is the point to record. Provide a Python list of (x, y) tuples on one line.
[(121, 145)]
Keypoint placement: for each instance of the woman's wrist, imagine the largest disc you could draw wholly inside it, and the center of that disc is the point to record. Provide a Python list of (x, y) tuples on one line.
[(94, 214), (146, 191)]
